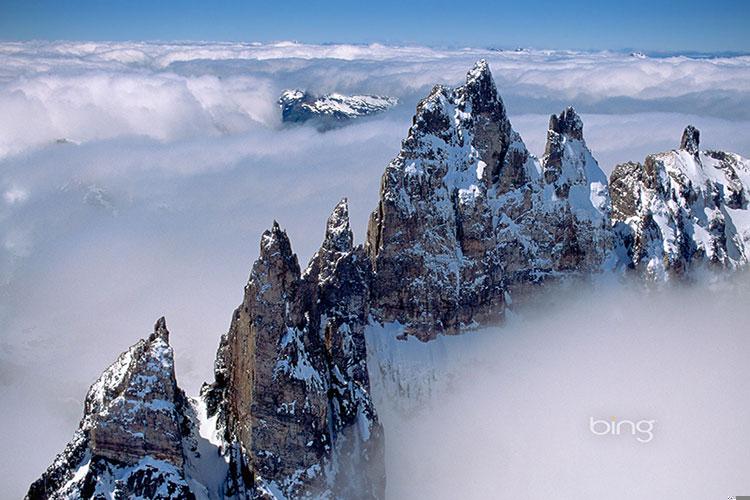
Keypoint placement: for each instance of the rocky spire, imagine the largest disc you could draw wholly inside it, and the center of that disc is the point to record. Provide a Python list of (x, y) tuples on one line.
[(567, 161), (339, 235), (578, 206), (465, 214), (481, 90), (160, 330), (492, 133), (433, 208), (690, 141), (274, 390), (563, 128), (276, 249), (342, 278), (268, 320), (130, 441), (567, 123), (337, 242)]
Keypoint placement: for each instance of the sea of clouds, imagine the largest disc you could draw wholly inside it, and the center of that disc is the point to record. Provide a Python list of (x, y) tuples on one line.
[(508, 411), (137, 178)]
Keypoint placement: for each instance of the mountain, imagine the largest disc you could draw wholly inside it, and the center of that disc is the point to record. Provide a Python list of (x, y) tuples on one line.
[(291, 389), (467, 216), (288, 415), (134, 437), (330, 110), (684, 209), (468, 222)]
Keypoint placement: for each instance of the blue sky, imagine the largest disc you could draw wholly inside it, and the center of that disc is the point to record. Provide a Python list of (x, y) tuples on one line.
[(655, 25)]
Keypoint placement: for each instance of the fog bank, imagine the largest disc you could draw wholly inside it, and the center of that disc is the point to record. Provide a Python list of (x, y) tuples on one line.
[(505, 412)]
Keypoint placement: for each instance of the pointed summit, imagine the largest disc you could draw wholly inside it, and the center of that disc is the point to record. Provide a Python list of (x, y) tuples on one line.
[(275, 244), (577, 189), (567, 160), (690, 140), (567, 123), (292, 368), (132, 438), (339, 235), (437, 201), (481, 91), (337, 243), (480, 71), (160, 331), (277, 266)]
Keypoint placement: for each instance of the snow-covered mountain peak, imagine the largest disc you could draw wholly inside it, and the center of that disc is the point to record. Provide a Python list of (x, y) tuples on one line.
[(468, 223), (572, 172), (290, 393), (330, 110), (132, 438), (685, 208), (480, 90), (276, 249), (465, 214)]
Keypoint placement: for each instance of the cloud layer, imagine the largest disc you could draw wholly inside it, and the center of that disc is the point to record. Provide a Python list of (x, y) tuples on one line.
[(508, 411), (136, 179), (94, 91)]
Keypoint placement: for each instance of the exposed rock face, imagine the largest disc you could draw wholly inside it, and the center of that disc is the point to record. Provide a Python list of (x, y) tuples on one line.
[(342, 276), (684, 208), (330, 110), (690, 141), (576, 197), (292, 389), (131, 440), (466, 213)]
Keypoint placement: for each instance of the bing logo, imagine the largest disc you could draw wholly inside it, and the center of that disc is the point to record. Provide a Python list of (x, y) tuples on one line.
[(642, 430)]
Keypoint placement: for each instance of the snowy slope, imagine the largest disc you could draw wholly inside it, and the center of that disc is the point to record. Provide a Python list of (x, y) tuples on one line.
[(685, 208)]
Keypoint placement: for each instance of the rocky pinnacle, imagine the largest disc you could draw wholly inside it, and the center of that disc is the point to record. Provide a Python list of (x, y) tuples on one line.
[(131, 439), (468, 217), (690, 141), (291, 389)]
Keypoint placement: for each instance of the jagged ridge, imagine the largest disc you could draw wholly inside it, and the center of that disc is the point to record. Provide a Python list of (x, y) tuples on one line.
[(684, 209), (467, 214)]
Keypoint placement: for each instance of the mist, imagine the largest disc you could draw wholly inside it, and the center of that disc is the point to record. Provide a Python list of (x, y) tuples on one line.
[(505, 412), (136, 180)]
